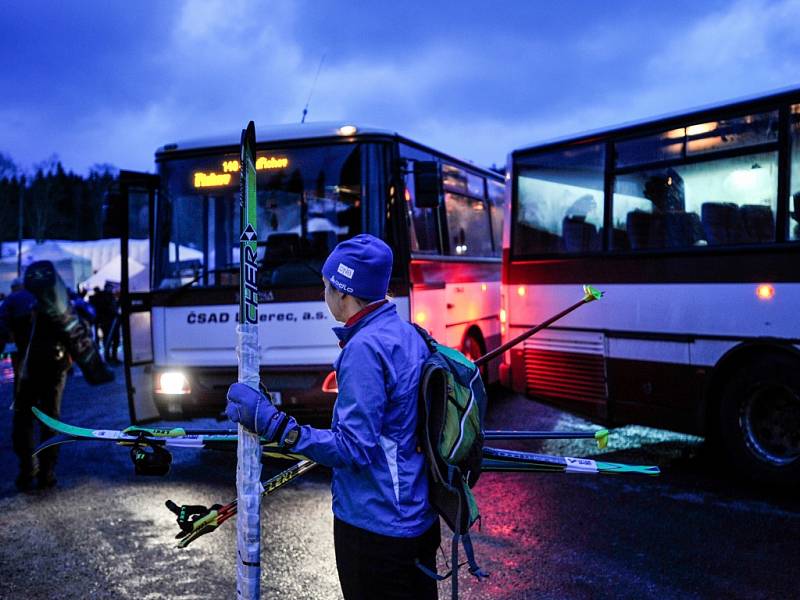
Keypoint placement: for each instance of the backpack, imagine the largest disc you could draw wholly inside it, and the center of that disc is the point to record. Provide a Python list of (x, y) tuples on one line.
[(452, 406)]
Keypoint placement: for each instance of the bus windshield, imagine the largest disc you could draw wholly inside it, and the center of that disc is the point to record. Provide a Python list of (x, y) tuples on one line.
[(309, 198)]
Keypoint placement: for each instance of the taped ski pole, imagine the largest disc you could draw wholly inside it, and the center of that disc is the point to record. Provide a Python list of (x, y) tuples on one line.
[(248, 464), (589, 294)]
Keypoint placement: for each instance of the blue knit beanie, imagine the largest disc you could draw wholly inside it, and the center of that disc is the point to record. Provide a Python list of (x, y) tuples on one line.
[(360, 266)]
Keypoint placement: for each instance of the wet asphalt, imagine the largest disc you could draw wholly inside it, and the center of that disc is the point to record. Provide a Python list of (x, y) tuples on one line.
[(697, 531)]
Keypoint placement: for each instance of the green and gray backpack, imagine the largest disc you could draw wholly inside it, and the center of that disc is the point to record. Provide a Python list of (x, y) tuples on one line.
[(452, 406)]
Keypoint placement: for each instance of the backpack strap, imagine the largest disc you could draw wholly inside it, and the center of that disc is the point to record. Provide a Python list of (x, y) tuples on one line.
[(474, 569), (429, 341)]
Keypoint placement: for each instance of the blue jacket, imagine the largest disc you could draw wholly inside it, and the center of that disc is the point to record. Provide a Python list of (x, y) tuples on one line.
[(379, 478)]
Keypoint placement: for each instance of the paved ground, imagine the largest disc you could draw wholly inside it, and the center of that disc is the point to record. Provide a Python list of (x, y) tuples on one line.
[(695, 532)]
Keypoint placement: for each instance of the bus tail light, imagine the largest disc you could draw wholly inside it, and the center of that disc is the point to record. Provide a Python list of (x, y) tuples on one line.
[(172, 383), (420, 317), (330, 385), (765, 291)]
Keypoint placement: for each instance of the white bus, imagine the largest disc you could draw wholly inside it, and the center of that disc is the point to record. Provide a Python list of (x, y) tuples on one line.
[(691, 225), (318, 184)]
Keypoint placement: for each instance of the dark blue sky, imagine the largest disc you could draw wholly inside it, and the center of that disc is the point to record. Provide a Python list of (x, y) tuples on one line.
[(109, 82)]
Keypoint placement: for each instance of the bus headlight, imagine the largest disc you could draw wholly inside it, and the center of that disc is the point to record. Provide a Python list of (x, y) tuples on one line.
[(172, 383)]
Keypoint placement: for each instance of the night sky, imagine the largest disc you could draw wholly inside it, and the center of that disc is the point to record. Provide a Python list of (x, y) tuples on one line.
[(109, 82)]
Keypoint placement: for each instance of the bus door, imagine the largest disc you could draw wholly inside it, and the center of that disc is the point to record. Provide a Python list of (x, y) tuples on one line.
[(137, 198)]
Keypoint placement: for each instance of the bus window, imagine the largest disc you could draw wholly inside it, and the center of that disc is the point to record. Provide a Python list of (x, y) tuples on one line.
[(308, 199), (423, 222), (794, 200), (700, 138), (722, 202), (454, 179), (560, 206), (467, 225), (497, 201)]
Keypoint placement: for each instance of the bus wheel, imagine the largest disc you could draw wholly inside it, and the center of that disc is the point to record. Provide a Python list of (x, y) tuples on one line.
[(760, 419)]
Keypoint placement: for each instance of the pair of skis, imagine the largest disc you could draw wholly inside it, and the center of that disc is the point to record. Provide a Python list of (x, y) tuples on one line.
[(196, 520), (182, 437)]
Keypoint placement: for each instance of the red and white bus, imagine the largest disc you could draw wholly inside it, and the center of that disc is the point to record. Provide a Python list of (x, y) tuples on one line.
[(318, 184), (691, 225)]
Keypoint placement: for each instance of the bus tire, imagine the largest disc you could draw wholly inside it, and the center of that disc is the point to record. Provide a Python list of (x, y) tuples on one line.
[(759, 418)]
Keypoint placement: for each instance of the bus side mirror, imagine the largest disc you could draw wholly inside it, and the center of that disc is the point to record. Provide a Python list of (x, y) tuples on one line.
[(427, 184)]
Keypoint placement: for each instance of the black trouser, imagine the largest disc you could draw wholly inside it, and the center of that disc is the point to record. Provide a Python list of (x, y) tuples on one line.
[(43, 389), (111, 339), (383, 567)]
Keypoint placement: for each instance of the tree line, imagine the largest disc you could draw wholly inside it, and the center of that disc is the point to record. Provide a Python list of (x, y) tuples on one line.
[(56, 204)]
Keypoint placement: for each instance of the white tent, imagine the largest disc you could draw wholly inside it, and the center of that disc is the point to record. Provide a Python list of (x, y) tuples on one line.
[(112, 273), (98, 253), (72, 268)]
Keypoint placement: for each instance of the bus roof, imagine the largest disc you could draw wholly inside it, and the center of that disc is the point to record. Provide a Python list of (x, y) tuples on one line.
[(276, 133), (699, 111), (304, 131)]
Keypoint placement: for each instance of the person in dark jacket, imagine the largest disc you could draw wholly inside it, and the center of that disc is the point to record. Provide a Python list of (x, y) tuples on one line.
[(106, 310), (15, 314), (43, 362), (383, 521)]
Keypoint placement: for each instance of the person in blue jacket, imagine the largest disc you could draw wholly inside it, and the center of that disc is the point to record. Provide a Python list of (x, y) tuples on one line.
[(383, 522)]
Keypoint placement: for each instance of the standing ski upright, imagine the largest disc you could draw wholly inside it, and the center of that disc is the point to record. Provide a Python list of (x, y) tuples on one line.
[(248, 465)]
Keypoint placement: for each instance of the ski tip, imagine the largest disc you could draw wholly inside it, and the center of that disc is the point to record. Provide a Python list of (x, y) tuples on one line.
[(613, 468), (591, 293), (45, 418), (602, 438)]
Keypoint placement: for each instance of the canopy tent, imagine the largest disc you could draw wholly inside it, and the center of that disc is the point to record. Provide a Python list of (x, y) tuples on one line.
[(112, 273), (72, 268), (97, 253)]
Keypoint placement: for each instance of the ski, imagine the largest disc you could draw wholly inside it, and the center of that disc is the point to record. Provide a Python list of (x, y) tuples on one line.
[(497, 459), (220, 439), (248, 450), (184, 437)]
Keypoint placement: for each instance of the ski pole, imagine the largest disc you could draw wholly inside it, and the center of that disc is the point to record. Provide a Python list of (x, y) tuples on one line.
[(589, 294), (196, 521), (600, 435)]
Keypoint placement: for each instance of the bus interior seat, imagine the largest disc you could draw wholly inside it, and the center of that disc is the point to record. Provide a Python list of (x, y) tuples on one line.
[(683, 229), (282, 246), (579, 236), (645, 230), (722, 223), (532, 240), (322, 242), (620, 240), (759, 223)]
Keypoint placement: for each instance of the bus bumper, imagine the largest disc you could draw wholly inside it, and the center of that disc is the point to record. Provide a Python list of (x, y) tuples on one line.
[(299, 391)]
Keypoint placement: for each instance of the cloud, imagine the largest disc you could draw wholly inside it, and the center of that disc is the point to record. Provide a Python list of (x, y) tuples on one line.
[(99, 85)]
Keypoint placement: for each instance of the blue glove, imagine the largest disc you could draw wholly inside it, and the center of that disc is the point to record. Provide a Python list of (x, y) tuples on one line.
[(255, 411)]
